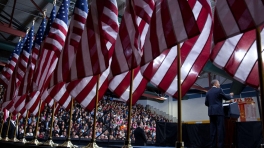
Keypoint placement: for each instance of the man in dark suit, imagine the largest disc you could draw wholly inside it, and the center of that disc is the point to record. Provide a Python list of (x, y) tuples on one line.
[(214, 101), (140, 137), (11, 130)]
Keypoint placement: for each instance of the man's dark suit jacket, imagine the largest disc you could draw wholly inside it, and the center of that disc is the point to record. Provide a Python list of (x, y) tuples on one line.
[(214, 101), (11, 131), (140, 137)]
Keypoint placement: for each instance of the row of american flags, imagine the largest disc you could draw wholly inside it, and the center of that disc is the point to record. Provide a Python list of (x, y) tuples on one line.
[(65, 61)]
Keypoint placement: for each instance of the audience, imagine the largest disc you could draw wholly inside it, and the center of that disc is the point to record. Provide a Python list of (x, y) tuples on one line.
[(112, 118)]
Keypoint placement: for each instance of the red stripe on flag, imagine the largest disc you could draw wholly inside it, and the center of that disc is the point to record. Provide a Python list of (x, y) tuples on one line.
[(241, 49)]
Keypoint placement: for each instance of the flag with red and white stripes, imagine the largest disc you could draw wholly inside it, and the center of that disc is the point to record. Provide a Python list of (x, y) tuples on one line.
[(120, 85), (19, 71), (233, 17), (162, 71), (72, 42), (131, 37), (57, 83), (95, 41), (24, 57), (172, 22), (238, 57), (52, 47), (7, 72), (84, 90), (20, 104)]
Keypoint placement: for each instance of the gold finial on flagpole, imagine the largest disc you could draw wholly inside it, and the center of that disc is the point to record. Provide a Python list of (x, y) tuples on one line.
[(20, 38), (28, 28), (33, 22), (44, 13)]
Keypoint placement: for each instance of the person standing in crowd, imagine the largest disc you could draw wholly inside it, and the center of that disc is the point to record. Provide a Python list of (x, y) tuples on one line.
[(214, 101), (139, 134)]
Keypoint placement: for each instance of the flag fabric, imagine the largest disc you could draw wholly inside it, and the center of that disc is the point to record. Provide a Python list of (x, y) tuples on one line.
[(162, 71), (172, 22), (240, 15), (84, 90), (19, 71), (24, 57), (52, 47), (27, 81), (10, 57), (76, 29), (72, 42), (131, 36), (120, 85), (238, 57), (57, 83), (23, 114), (9, 68), (62, 98), (95, 41)]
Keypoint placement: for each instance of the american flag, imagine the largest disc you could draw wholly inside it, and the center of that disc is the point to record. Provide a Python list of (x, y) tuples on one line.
[(10, 57), (120, 85), (73, 39), (162, 71), (57, 84), (95, 59), (19, 71), (52, 47), (172, 22), (84, 90), (238, 57), (25, 83), (240, 15), (24, 57), (26, 87), (9, 68), (131, 36)]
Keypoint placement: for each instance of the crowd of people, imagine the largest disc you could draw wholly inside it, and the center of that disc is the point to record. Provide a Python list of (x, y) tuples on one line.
[(111, 123)]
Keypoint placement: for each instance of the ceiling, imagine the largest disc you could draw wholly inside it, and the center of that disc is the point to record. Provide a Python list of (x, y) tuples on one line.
[(17, 15)]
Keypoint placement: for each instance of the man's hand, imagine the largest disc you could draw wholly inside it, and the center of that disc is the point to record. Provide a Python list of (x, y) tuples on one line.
[(231, 94)]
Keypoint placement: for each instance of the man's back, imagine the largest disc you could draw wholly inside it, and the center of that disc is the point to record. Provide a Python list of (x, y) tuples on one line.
[(140, 138), (214, 99)]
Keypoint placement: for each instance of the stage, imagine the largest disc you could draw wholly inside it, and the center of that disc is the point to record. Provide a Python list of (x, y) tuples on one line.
[(247, 134)]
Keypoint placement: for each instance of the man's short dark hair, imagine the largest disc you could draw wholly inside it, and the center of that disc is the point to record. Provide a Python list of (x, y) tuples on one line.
[(213, 82), (138, 123)]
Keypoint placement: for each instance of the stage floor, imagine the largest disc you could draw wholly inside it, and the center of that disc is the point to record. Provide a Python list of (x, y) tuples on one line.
[(4, 144)]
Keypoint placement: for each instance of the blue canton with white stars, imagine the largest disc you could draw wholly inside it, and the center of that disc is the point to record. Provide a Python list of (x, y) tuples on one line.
[(19, 46), (63, 11), (50, 21), (40, 33), (28, 44), (82, 4)]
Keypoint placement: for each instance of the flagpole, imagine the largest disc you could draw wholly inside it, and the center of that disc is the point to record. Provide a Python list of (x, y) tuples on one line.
[(15, 133), (179, 142), (6, 138), (1, 128), (261, 75), (35, 140), (24, 136), (93, 141), (128, 141), (68, 142), (50, 142)]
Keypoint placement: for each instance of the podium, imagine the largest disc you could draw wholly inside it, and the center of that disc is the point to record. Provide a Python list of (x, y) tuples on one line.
[(232, 113)]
